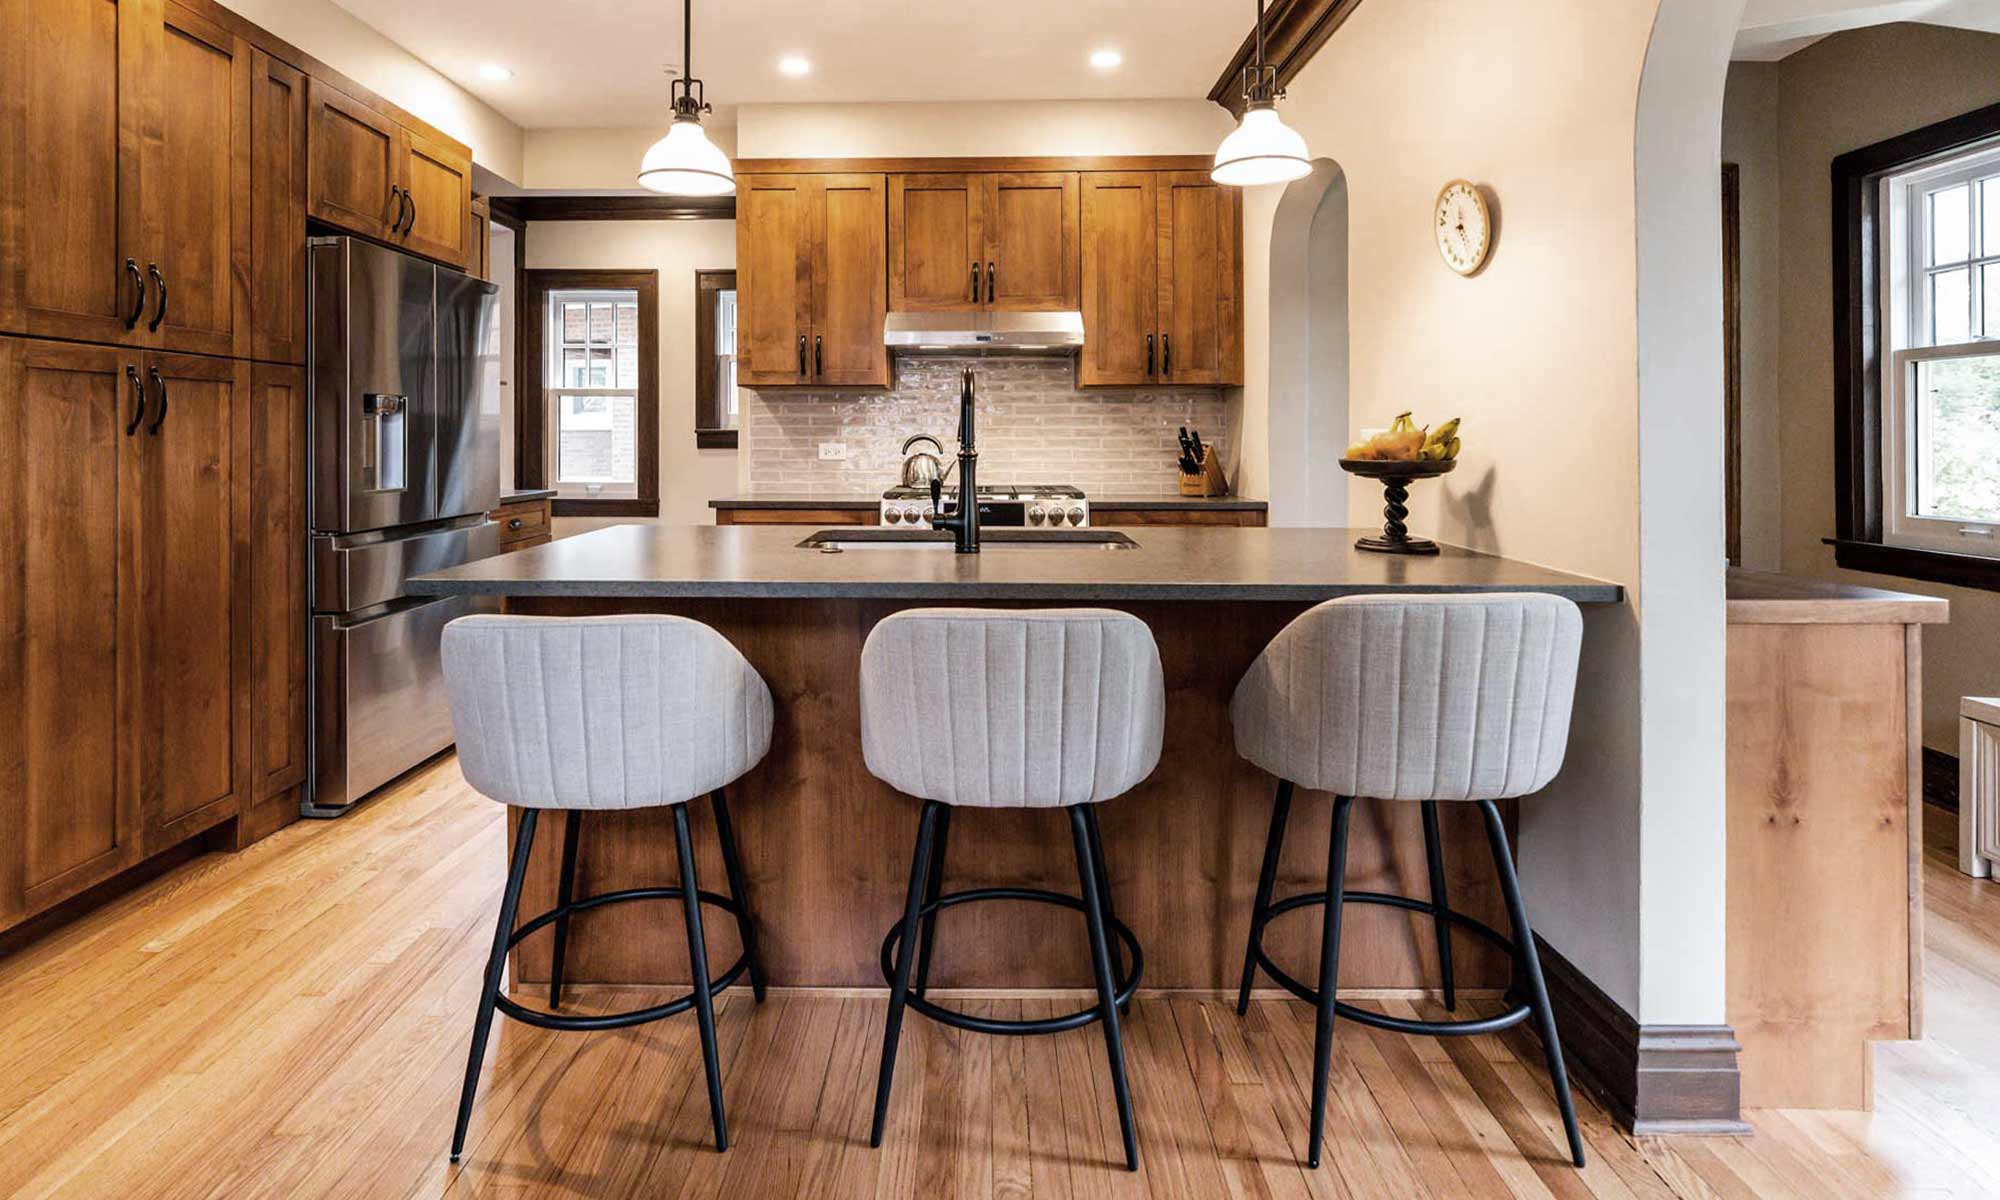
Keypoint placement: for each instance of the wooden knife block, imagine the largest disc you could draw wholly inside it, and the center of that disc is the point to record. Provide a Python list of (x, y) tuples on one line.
[(1209, 481)]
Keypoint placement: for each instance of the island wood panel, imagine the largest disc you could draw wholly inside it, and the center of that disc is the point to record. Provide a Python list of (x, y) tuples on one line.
[(1820, 885), (1107, 516), (827, 846)]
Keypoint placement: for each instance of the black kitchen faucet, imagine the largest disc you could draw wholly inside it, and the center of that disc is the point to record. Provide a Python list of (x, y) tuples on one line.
[(964, 523)]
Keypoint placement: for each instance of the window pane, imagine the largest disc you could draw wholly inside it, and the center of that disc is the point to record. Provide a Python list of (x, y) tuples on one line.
[(725, 319), (596, 440), (1951, 217), (628, 367), (600, 324), (1951, 307), (628, 324), (575, 322), (1990, 305), (1989, 219), (1958, 431), (575, 370), (600, 369)]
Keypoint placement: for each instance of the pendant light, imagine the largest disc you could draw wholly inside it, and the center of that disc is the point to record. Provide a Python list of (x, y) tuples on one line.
[(685, 162), (1262, 149)]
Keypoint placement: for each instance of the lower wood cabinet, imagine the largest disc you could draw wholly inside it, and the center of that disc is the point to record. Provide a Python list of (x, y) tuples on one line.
[(525, 523), (276, 598), (125, 615)]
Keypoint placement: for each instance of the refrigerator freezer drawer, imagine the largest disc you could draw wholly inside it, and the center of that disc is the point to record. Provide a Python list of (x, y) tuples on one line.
[(380, 700), (357, 573)]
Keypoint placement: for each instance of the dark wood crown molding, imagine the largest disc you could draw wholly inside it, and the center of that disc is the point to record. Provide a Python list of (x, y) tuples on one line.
[(1294, 30), (615, 208)]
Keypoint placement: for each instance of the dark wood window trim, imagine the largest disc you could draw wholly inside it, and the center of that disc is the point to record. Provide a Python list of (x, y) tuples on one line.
[(709, 431), (1858, 330), (530, 412)]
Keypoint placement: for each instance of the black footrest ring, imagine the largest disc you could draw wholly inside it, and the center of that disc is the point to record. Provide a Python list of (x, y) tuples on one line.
[(959, 1020), (637, 1016), (1494, 1024)]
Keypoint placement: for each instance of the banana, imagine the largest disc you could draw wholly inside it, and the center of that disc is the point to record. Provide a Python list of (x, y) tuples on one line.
[(1402, 424), (1444, 433)]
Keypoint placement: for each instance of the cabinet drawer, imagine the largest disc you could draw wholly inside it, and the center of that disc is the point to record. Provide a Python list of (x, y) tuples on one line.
[(526, 521)]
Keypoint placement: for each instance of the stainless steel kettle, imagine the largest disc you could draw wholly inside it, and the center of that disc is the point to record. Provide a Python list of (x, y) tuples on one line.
[(922, 467)]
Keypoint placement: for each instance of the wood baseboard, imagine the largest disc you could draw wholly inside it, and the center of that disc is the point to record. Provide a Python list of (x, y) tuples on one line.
[(1653, 1079)]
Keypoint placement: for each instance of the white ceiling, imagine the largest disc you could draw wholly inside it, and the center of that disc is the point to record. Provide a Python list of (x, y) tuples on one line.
[(1773, 29), (598, 63)]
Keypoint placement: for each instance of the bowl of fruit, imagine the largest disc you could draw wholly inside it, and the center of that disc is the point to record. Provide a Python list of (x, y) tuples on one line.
[(1397, 455)]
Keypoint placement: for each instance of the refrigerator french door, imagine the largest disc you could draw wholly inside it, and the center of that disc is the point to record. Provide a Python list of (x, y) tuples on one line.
[(404, 429)]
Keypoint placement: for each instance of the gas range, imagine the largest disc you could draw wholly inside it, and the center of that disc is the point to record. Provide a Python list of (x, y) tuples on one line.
[(1039, 505)]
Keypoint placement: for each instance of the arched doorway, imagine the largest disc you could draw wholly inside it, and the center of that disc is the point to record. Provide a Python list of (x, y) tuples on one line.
[(1309, 350)]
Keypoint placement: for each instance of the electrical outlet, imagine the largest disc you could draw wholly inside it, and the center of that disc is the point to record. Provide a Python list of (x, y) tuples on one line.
[(833, 451)]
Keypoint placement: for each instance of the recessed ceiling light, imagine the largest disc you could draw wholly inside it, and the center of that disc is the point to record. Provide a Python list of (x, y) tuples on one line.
[(1106, 60), (794, 65), (495, 72)]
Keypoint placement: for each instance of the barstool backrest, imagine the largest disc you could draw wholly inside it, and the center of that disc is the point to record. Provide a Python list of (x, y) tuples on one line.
[(1415, 697), (601, 712), (1002, 709)]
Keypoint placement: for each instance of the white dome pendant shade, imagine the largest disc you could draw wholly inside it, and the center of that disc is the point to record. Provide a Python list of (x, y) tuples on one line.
[(685, 162), (1262, 149)]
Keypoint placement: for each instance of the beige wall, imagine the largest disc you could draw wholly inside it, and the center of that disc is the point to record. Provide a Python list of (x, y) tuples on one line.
[(689, 477), (342, 41), (1750, 140), (1849, 91)]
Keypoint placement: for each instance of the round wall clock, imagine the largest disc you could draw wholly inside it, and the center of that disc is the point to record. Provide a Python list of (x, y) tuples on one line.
[(1464, 227)]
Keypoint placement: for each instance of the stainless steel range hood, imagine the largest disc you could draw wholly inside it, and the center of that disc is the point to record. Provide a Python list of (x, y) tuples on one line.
[(984, 332)]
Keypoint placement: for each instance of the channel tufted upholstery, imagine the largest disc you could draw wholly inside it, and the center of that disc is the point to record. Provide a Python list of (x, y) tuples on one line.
[(601, 712), (1415, 697), (1053, 707)]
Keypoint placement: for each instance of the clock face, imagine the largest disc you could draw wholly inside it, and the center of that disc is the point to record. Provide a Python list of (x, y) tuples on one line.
[(1464, 227)]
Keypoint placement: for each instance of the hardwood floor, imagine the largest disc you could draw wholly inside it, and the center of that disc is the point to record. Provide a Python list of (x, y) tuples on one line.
[(292, 1021)]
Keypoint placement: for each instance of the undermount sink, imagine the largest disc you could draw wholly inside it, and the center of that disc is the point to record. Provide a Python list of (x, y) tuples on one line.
[(834, 541)]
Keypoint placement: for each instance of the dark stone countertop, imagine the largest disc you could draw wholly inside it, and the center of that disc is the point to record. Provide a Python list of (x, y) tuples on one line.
[(1157, 501), (1170, 563)]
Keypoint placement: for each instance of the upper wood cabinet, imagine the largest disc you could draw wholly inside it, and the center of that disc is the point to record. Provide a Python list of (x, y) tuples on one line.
[(372, 176), (811, 278), (993, 240), (479, 240), (1162, 280), (277, 210)]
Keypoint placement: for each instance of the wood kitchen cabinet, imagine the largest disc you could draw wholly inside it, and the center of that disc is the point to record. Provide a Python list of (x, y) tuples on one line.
[(1162, 280), (811, 275), (372, 176), (1005, 241), (278, 112), (437, 180), (276, 597), (479, 240)]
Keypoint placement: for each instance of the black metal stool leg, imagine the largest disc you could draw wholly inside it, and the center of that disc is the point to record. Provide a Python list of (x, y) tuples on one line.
[(906, 950), (1531, 967), (746, 929), (704, 1003), (565, 891), (482, 1025), (1434, 851), (1329, 972), (1104, 894), (933, 886), (1274, 844), (1089, 873)]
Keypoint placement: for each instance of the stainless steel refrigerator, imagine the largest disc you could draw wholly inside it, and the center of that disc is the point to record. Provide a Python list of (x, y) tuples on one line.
[(404, 429)]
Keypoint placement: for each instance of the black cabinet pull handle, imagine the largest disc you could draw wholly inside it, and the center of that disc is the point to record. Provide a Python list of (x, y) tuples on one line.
[(161, 416), (514, 523), (975, 281), (138, 400), (159, 282), (819, 367), (138, 294), (989, 283), (1166, 356), (1149, 355), (409, 202), (396, 194), (802, 356)]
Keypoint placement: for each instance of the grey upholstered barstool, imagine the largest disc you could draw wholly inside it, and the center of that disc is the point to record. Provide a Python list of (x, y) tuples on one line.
[(603, 713), (1413, 698), (989, 709)]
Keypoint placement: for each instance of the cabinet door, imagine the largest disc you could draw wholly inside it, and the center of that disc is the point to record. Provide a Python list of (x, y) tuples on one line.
[(1120, 279), (1032, 228), (194, 545), (479, 240), (196, 184), (1201, 277), (71, 128), (937, 247), (774, 230), (277, 210), (355, 157), (69, 796), (850, 281), (439, 182), (277, 589)]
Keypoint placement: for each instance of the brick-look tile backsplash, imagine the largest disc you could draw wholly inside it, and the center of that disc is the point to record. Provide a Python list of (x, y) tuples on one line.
[(1034, 427)]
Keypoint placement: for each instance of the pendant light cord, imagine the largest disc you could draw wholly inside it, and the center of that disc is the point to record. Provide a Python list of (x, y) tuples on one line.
[(687, 36)]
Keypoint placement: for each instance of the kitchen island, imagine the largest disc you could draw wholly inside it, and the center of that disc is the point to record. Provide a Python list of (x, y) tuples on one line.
[(826, 846)]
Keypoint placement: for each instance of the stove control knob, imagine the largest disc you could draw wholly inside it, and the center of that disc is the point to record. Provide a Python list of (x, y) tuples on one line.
[(930, 514), (912, 515), (893, 516), (1076, 516), (1037, 515)]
